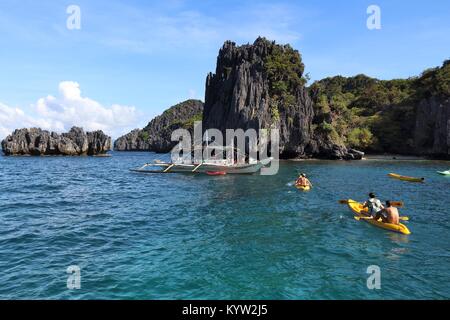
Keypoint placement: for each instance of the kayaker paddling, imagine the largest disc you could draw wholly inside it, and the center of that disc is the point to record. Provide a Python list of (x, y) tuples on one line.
[(303, 181), (362, 214), (389, 214), (374, 205)]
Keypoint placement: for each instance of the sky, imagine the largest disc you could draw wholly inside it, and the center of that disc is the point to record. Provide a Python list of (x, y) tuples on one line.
[(130, 60)]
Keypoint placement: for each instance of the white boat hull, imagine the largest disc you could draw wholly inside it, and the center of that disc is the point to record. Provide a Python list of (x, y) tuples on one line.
[(206, 167)]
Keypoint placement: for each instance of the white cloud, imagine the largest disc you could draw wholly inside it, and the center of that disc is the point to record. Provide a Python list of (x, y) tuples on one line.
[(69, 109), (12, 118), (167, 28)]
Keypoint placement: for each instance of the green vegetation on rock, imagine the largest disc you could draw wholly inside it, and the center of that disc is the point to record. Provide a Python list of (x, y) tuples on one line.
[(284, 68), (375, 115), (189, 124), (360, 138), (435, 82), (144, 135), (274, 112)]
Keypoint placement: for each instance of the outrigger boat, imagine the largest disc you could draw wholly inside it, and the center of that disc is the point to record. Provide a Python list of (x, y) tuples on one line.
[(225, 166)]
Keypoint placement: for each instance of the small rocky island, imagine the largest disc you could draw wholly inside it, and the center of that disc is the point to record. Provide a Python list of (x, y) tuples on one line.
[(38, 142), (156, 135)]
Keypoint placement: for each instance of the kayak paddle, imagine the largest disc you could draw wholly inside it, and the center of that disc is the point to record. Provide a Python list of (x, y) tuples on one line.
[(398, 204), (370, 218)]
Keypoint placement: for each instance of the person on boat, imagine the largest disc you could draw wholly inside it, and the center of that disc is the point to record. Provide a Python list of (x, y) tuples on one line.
[(374, 205), (303, 181), (389, 214)]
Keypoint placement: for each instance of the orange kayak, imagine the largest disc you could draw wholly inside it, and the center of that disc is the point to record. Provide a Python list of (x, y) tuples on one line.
[(216, 173), (302, 188)]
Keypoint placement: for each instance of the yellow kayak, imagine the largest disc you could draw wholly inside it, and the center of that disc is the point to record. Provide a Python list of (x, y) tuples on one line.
[(405, 178), (303, 188), (360, 211)]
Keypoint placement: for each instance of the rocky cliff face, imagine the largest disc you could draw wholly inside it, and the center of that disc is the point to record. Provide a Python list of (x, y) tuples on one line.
[(135, 140), (156, 135), (432, 128), (261, 86), (403, 116), (39, 142)]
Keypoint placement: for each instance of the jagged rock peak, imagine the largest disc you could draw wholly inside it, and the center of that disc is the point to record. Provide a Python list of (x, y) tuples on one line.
[(262, 86), (37, 142)]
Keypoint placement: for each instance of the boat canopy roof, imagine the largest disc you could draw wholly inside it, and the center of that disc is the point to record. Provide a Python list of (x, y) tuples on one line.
[(219, 148)]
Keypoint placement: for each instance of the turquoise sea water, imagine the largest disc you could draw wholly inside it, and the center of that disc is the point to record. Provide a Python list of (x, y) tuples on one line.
[(181, 236)]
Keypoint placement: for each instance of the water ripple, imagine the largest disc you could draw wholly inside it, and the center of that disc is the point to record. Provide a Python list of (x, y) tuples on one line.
[(233, 237)]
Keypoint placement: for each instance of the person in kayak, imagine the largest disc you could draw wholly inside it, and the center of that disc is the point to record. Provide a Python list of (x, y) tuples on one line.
[(389, 214), (374, 205), (303, 181)]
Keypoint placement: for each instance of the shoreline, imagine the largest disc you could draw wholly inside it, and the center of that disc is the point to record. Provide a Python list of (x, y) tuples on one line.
[(367, 157), (393, 157), (102, 155), (375, 157)]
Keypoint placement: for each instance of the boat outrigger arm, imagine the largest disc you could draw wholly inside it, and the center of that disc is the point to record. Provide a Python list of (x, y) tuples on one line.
[(169, 167), (166, 166)]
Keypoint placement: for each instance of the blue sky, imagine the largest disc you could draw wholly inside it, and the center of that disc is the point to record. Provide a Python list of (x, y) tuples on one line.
[(133, 59)]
